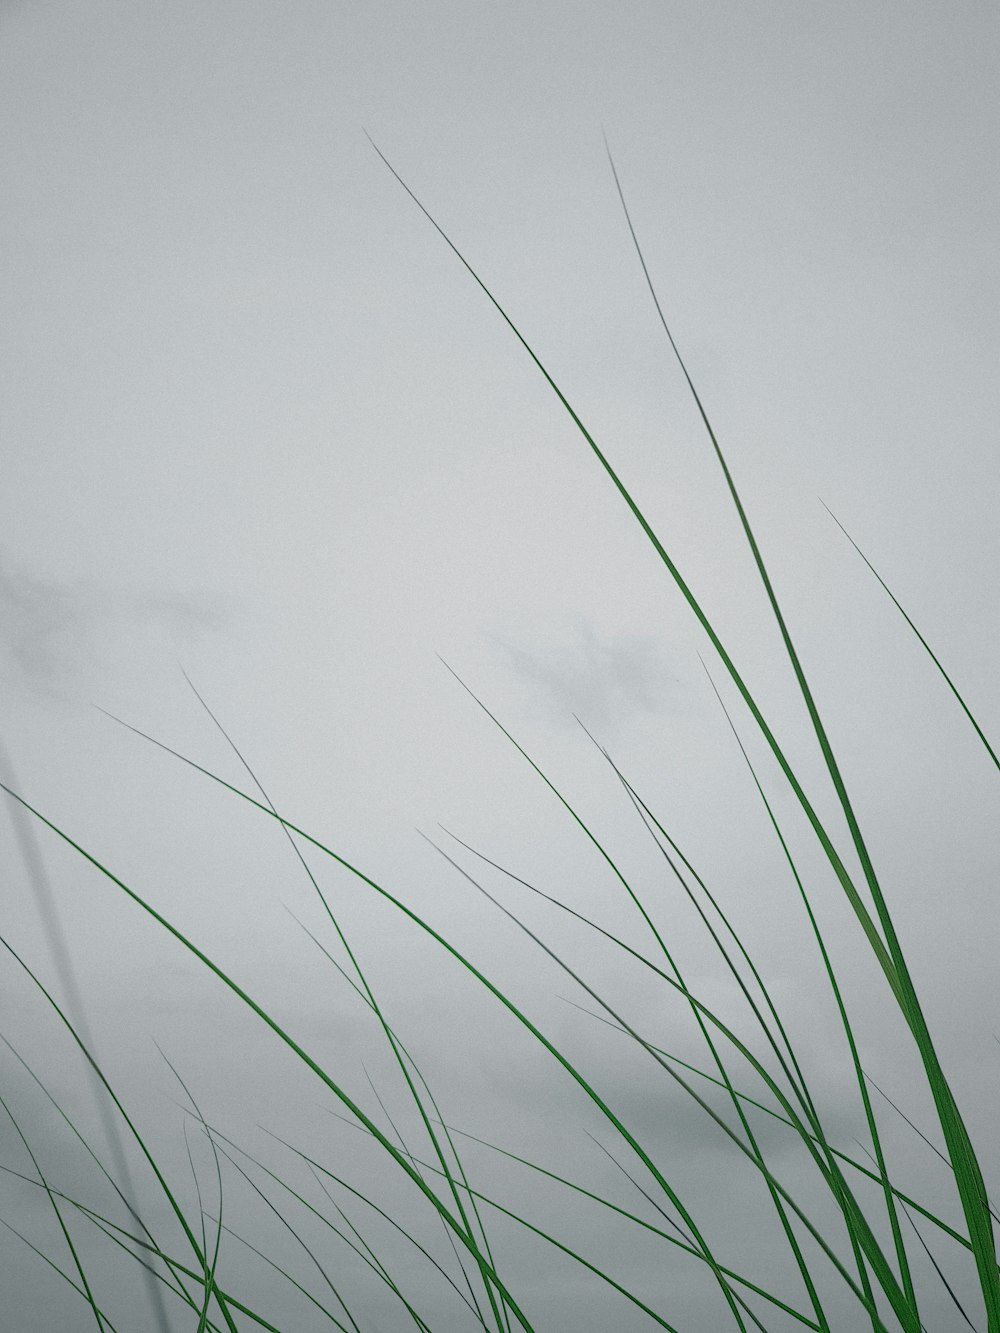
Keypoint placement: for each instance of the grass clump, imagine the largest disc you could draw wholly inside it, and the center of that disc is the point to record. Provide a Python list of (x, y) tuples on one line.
[(852, 1242)]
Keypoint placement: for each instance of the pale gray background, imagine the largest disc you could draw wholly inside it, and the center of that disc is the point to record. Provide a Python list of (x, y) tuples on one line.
[(259, 422)]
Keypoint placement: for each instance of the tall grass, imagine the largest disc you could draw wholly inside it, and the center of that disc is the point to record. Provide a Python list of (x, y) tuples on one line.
[(861, 1251)]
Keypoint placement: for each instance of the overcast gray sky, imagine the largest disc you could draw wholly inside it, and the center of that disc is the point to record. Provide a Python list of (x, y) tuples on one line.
[(260, 424)]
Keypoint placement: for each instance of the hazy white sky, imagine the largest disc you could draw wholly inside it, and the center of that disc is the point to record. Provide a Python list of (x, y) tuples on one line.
[(259, 423)]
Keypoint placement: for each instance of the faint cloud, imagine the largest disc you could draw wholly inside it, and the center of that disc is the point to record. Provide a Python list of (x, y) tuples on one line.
[(604, 679), (53, 632)]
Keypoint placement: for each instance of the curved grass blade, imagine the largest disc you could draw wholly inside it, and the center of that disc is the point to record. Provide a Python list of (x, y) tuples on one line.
[(864, 917), (968, 1174), (965, 1164), (930, 1255), (369, 1257), (105, 1322), (923, 642), (210, 1279), (153, 1247), (48, 911), (466, 1238), (160, 1178), (456, 1194), (725, 1083), (681, 1243), (812, 1141), (796, 1080), (84, 1287), (538, 1232), (301, 1242), (474, 1310), (474, 1305), (115, 1233), (886, 1278)]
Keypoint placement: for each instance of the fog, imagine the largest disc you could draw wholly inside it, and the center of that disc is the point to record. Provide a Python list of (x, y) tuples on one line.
[(279, 480)]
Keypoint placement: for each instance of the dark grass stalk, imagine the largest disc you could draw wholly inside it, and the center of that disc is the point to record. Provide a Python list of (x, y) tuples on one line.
[(160, 1178), (118, 1235), (48, 912), (81, 1273), (75, 1130), (467, 1239)]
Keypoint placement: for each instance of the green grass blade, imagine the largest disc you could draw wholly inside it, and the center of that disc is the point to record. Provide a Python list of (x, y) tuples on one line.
[(53, 1201), (300, 1241), (455, 1192), (210, 1276), (680, 1243), (923, 642), (871, 931), (65, 968), (365, 1252), (105, 1322), (81, 1139), (474, 1306), (160, 1178), (463, 1235), (474, 1311), (723, 1082), (858, 1221), (968, 1174)]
